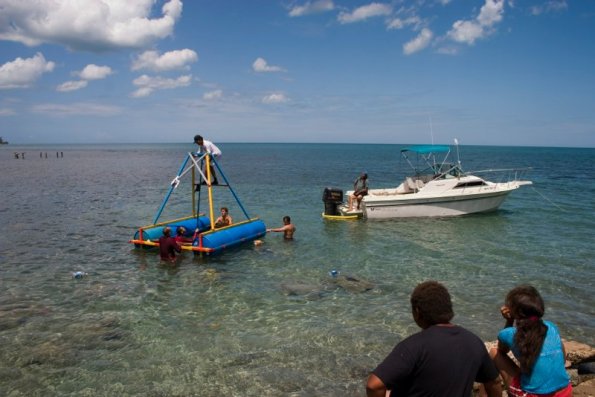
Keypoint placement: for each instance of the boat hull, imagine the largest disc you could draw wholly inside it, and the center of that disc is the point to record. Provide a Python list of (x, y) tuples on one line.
[(411, 207)]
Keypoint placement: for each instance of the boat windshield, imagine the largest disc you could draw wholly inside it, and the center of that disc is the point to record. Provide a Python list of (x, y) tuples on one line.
[(438, 171), (449, 170)]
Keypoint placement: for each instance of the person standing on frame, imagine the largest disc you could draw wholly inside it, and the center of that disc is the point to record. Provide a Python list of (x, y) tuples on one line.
[(209, 147), (443, 359)]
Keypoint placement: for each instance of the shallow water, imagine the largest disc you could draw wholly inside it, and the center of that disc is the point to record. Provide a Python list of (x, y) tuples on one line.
[(267, 320)]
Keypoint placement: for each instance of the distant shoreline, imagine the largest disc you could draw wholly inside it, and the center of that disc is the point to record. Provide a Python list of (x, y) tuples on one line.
[(189, 144)]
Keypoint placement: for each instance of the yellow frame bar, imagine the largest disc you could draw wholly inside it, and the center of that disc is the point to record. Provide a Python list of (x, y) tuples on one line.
[(210, 188)]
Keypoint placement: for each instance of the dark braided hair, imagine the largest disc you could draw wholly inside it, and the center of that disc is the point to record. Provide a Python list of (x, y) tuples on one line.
[(526, 306)]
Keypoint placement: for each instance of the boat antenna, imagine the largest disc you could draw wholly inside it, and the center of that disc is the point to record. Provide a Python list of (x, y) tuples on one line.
[(458, 158), (431, 130)]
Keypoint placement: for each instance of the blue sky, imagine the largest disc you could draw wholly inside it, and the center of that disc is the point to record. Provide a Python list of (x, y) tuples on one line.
[(487, 72)]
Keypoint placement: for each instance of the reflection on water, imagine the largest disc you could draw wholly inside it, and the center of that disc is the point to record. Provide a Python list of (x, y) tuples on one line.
[(265, 320)]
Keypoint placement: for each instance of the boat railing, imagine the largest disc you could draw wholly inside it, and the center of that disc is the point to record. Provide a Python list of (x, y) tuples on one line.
[(503, 175)]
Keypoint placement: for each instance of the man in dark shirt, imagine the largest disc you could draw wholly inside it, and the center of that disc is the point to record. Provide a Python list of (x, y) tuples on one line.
[(168, 246), (442, 359)]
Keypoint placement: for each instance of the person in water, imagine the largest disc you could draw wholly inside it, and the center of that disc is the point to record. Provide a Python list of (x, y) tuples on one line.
[(181, 236), (360, 189), (205, 146), (535, 343), (168, 246), (288, 228), (443, 359), (224, 219)]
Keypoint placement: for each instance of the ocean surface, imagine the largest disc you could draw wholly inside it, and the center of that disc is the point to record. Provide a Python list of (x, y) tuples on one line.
[(267, 320)]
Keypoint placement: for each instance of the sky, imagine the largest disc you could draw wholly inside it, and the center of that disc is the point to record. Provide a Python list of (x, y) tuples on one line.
[(486, 72)]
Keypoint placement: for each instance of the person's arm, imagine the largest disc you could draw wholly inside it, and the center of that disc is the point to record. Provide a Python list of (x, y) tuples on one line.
[(507, 315), (279, 229), (493, 388), (509, 322), (375, 387)]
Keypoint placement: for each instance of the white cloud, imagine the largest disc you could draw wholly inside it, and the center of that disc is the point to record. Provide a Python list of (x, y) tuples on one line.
[(399, 23), (312, 7), (21, 73), (94, 72), (364, 12), (89, 72), (91, 25), (86, 109), (419, 43), (72, 85), (549, 6), (448, 50), (148, 84), (7, 112), (275, 98), (466, 32), (178, 59), (213, 95), (260, 65), (491, 13), (470, 31)]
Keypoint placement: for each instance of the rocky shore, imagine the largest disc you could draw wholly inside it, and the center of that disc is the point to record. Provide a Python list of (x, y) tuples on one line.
[(580, 365)]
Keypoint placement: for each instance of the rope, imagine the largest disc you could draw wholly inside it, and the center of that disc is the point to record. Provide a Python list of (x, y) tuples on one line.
[(548, 200)]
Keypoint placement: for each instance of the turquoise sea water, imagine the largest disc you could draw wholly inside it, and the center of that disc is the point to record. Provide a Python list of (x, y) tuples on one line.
[(229, 325)]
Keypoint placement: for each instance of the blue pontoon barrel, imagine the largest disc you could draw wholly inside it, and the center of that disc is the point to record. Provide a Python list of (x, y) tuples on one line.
[(190, 224), (233, 235)]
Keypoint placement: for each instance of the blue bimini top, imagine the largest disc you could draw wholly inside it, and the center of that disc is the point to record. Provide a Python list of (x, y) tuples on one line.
[(425, 149)]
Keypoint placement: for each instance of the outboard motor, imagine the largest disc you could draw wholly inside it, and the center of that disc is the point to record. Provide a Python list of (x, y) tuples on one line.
[(332, 198)]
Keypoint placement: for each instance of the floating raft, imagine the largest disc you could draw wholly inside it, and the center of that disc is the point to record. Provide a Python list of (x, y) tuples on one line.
[(203, 236), (206, 241), (341, 217)]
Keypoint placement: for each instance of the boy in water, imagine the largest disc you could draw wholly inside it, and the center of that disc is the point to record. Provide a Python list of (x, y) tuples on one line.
[(224, 219), (168, 246), (288, 228)]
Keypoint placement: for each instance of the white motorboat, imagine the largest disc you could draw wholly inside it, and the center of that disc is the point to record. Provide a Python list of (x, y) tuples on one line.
[(440, 189)]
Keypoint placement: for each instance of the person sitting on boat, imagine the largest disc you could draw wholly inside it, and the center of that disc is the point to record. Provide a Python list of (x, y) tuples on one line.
[(288, 228), (360, 189), (205, 146), (224, 219), (168, 246), (181, 236)]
